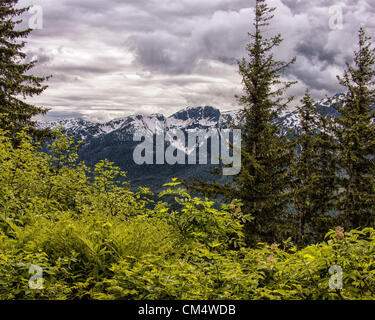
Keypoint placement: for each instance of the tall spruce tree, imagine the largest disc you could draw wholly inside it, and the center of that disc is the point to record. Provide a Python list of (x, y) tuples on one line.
[(263, 181), (355, 132), (314, 180), (16, 82)]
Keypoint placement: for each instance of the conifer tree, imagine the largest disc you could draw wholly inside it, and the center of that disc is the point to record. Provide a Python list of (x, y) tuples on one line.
[(263, 181), (327, 183), (16, 82), (355, 132), (313, 172)]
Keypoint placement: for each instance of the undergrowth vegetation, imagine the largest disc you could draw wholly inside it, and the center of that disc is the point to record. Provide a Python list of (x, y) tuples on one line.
[(93, 238)]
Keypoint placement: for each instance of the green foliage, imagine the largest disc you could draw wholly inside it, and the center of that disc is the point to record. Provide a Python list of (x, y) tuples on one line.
[(196, 219), (95, 239)]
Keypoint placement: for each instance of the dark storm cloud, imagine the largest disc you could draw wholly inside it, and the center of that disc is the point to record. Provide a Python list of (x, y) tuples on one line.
[(222, 37), (313, 51), (159, 55)]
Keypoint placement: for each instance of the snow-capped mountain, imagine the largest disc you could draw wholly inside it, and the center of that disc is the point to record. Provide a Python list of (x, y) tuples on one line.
[(190, 118), (113, 140)]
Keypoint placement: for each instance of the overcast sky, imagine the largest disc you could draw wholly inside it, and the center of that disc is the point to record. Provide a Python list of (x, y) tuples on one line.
[(112, 58)]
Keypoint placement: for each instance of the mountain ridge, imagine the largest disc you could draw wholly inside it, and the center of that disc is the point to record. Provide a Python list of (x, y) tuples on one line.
[(188, 118), (113, 140)]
